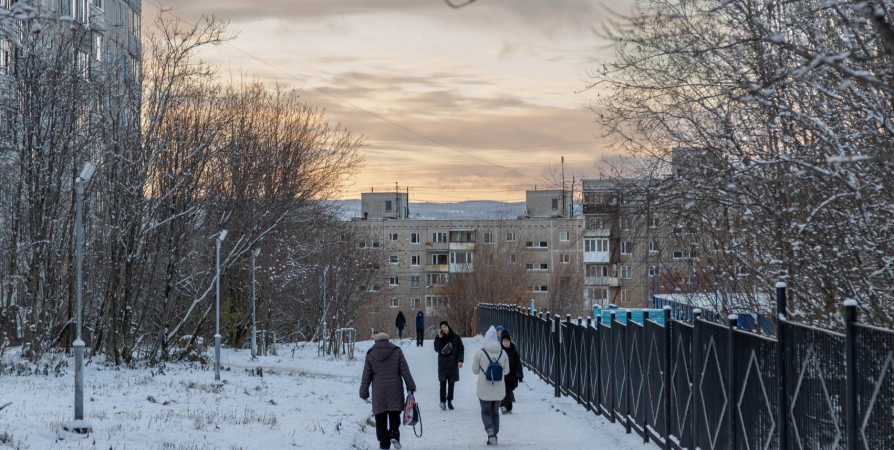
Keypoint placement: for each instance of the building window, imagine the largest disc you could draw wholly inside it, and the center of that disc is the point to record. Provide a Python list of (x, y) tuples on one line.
[(598, 294), (5, 56), (439, 237), (394, 259), (375, 244), (135, 23), (595, 245), (395, 302), (488, 238), (555, 204), (682, 254), (626, 247), (653, 246), (510, 237), (97, 43), (536, 244), (462, 236), (563, 236), (625, 223), (415, 303), (97, 3), (653, 222), (388, 206), (539, 288), (439, 259), (393, 281), (511, 258), (460, 258), (598, 271), (414, 281), (626, 272), (415, 260), (392, 237), (488, 260), (537, 266), (435, 279), (414, 238), (566, 258), (652, 271), (597, 222), (376, 309), (624, 296)]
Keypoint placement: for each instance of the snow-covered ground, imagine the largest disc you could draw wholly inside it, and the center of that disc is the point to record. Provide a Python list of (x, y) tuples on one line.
[(301, 401)]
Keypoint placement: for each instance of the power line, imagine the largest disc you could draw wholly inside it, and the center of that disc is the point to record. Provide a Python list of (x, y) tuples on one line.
[(435, 141)]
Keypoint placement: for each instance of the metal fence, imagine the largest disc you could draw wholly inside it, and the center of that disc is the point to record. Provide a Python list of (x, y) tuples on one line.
[(709, 386)]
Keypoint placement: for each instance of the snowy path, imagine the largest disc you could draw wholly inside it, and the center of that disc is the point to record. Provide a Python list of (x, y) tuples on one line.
[(302, 401), (538, 419)]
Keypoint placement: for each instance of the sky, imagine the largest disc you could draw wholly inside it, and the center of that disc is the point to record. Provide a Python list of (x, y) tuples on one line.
[(477, 103)]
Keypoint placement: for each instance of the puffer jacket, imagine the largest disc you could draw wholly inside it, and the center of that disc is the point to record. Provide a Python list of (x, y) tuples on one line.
[(490, 390), (387, 370)]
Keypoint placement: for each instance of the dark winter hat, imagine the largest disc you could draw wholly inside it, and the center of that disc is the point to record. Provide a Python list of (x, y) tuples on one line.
[(505, 335), (499, 327), (444, 322)]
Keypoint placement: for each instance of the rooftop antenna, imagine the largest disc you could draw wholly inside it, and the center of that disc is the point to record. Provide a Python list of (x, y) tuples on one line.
[(564, 200)]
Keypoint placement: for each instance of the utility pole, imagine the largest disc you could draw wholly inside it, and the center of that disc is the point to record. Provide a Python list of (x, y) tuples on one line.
[(325, 277), (254, 327), (78, 425), (220, 238)]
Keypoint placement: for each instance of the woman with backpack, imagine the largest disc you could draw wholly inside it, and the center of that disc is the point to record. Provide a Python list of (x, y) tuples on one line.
[(387, 370), (491, 364)]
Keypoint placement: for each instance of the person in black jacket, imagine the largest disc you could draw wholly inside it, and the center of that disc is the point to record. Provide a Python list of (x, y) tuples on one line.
[(450, 350), (387, 370), (515, 372), (400, 322), (420, 328)]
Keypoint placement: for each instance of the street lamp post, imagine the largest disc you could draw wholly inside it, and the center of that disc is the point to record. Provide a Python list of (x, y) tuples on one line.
[(254, 328), (79, 425), (220, 238)]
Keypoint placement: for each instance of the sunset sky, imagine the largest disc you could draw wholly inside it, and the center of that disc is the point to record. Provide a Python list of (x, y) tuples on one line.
[(498, 80)]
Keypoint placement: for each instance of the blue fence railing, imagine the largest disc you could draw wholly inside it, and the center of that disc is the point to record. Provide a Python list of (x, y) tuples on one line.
[(713, 386)]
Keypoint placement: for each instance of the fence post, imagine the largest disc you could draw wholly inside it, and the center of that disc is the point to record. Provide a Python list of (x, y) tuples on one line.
[(781, 375), (696, 391), (667, 376), (611, 376), (588, 356), (628, 386), (731, 377), (645, 357), (557, 358), (850, 354), (599, 362)]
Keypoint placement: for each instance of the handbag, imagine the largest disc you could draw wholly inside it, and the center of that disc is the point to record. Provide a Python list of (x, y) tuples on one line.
[(448, 349), (411, 415)]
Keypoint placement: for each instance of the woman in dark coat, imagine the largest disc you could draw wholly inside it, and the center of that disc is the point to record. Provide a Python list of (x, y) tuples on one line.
[(387, 370), (400, 322), (515, 372), (450, 350)]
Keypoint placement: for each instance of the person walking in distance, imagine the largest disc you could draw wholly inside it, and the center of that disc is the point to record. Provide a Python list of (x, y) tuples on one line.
[(491, 364), (400, 322), (420, 328), (387, 370), (515, 374), (450, 350)]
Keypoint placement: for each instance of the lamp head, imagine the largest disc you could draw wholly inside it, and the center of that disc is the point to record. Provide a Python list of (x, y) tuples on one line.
[(256, 252), (87, 172), (222, 235)]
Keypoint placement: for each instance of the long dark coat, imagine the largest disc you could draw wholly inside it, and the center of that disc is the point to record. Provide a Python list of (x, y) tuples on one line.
[(400, 322), (387, 370), (448, 366), (515, 366)]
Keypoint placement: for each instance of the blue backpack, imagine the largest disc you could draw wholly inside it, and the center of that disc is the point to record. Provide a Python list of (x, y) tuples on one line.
[(494, 371)]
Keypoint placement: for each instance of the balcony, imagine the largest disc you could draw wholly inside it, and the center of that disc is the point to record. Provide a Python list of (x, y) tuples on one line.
[(462, 246), (461, 268), (597, 257), (436, 246), (601, 208), (437, 268), (601, 281)]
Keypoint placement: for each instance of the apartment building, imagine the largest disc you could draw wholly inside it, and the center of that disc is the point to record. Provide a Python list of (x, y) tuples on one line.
[(107, 31), (423, 255)]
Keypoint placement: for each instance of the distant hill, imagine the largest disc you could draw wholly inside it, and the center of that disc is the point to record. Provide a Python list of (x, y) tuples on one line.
[(477, 209)]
